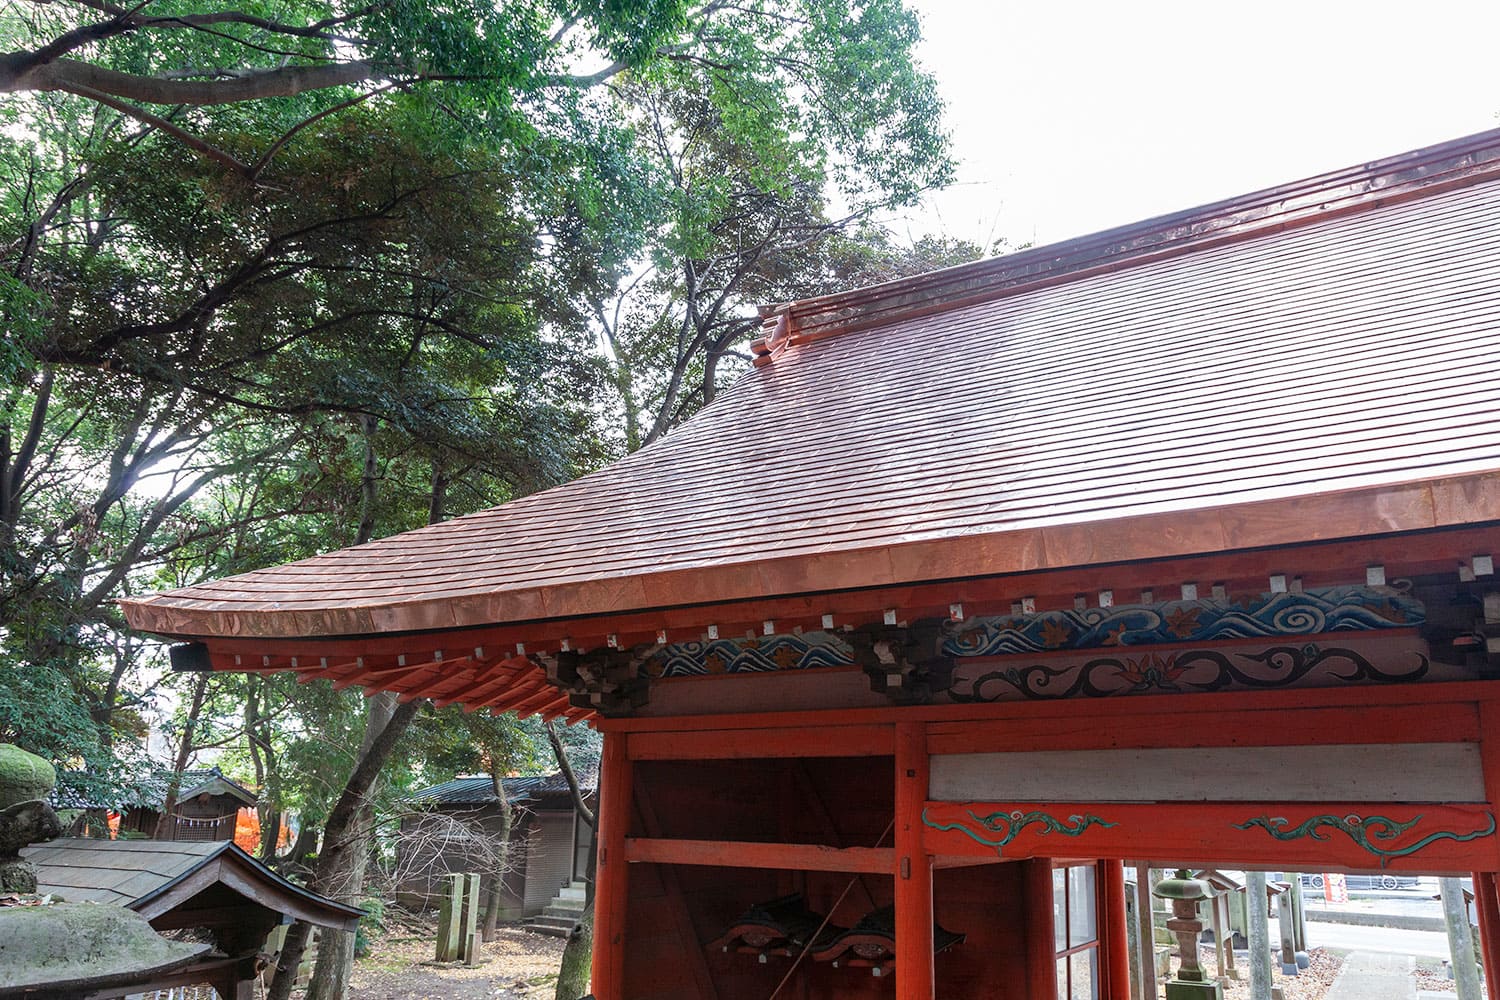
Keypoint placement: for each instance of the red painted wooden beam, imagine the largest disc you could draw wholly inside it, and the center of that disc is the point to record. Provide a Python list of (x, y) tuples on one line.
[(735, 744), (756, 854), (1428, 837)]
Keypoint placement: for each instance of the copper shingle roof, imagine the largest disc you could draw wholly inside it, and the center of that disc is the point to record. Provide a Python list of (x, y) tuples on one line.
[(1332, 338)]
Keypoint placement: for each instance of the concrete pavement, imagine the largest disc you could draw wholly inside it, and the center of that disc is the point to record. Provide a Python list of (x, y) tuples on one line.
[(1391, 940), (1371, 975)]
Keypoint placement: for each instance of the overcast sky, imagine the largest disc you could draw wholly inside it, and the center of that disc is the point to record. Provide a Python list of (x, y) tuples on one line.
[(1068, 118)]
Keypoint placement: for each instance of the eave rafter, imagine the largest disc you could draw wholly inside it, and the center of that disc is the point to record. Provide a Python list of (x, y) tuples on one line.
[(580, 668)]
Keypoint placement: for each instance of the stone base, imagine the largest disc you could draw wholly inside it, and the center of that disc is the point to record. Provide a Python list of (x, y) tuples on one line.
[(1179, 990), (17, 876)]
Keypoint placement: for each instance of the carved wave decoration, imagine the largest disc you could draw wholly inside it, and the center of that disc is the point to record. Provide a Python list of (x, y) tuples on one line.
[(998, 829), (794, 651), (1189, 670), (1376, 834)]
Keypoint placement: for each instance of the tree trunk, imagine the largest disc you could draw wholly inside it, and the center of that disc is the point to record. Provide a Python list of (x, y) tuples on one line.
[(566, 766), (577, 959), (166, 823), (342, 837), (368, 479), (346, 882), (496, 896), (577, 965), (304, 847)]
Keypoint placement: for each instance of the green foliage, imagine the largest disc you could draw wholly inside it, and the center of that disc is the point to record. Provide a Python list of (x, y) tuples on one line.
[(245, 331), (452, 742)]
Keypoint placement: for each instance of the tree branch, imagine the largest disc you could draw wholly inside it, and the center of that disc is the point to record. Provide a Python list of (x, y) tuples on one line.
[(156, 121), (92, 81)]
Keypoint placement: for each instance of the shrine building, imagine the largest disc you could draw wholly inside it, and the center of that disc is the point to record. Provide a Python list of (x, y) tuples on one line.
[(1173, 544)]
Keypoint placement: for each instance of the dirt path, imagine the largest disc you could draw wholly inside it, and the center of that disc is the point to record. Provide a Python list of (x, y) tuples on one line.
[(518, 965)]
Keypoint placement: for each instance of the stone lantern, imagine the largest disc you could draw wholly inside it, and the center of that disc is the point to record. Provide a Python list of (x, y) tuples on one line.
[(1185, 893)]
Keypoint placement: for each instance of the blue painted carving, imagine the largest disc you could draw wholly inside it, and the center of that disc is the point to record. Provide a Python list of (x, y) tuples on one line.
[(740, 656), (1314, 612)]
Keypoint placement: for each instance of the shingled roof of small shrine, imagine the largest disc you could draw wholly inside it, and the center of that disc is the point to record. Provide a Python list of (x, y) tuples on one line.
[(1129, 395)]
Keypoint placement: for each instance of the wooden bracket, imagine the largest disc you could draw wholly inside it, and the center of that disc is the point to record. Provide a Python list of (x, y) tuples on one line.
[(906, 663), (1463, 626), (605, 680)]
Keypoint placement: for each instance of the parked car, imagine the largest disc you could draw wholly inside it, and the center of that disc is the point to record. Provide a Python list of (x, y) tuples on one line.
[(1315, 881)]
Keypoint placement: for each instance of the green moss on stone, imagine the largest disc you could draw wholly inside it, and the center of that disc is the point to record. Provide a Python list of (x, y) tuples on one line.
[(17, 876), (23, 776), (81, 942)]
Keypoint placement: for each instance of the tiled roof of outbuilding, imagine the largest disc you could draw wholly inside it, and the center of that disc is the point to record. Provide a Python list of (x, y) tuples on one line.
[(1124, 396), (479, 790), (475, 790), (151, 791)]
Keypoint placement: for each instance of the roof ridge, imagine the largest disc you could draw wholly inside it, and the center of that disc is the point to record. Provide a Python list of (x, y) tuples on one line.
[(1404, 176)]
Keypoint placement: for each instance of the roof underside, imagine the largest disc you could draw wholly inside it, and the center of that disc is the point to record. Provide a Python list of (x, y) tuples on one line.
[(1345, 352)]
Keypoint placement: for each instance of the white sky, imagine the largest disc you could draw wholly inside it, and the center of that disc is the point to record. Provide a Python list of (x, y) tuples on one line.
[(1072, 117)]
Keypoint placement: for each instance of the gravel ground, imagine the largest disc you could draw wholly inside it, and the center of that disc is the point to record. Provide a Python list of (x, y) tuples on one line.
[(518, 965), (1311, 984), (1430, 976)]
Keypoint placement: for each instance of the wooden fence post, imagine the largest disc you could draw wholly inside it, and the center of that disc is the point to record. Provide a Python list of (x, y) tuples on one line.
[(450, 919)]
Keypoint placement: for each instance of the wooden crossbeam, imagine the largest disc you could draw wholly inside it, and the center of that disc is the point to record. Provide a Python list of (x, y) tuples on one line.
[(753, 854)]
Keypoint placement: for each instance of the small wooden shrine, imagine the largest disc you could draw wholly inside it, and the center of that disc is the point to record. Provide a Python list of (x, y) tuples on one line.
[(207, 807), (211, 888), (1171, 544)]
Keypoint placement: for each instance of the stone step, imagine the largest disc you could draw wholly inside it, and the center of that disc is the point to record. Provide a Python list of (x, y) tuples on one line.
[(556, 926), (579, 893), (571, 905), (559, 932)]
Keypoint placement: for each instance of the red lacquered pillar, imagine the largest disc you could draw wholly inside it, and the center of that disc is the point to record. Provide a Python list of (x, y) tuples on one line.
[(914, 965), (1116, 950), (1041, 943), (1487, 903), (611, 874)]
